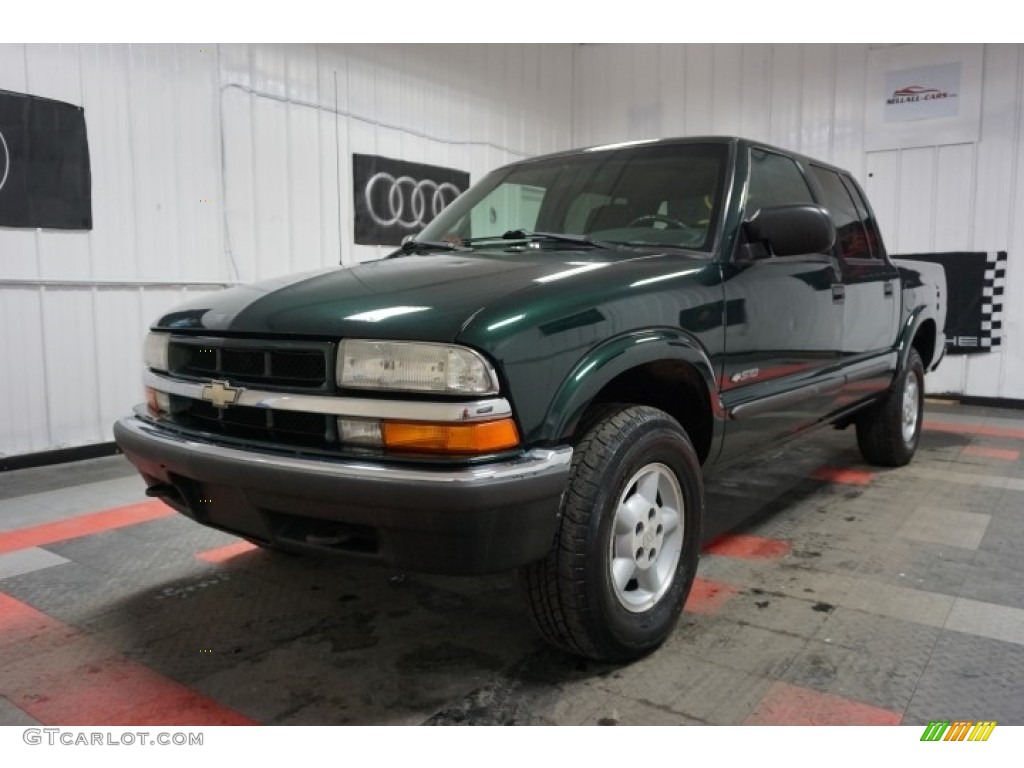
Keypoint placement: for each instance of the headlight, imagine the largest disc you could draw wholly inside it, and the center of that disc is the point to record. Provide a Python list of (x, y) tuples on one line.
[(414, 367), (155, 351)]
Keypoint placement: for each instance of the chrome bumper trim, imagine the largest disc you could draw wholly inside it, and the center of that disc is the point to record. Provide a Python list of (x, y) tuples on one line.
[(537, 462), (357, 407)]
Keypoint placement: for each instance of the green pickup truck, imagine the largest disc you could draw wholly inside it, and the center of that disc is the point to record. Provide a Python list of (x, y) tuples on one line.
[(541, 378)]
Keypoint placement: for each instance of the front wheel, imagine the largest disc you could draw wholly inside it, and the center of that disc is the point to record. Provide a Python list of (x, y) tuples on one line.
[(614, 583)]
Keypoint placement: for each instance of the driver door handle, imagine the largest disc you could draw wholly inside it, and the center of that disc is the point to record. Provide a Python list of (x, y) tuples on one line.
[(838, 293)]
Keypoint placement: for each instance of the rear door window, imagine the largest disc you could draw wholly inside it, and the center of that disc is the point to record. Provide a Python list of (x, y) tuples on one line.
[(851, 237), (870, 225)]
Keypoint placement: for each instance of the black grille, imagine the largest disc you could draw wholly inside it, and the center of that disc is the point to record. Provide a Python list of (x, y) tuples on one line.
[(275, 366), (263, 424)]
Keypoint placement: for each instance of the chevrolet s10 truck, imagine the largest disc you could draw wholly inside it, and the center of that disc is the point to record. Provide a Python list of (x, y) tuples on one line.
[(541, 378)]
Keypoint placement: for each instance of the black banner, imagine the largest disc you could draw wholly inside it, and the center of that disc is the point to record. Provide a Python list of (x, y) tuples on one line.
[(45, 179), (975, 283), (395, 198)]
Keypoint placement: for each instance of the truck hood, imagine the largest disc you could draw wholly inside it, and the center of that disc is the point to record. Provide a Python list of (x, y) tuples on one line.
[(417, 297)]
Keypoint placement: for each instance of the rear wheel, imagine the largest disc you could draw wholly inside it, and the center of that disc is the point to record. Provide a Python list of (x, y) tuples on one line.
[(614, 583), (889, 431)]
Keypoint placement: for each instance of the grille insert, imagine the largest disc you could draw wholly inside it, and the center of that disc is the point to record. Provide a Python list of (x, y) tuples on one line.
[(275, 365), (283, 427)]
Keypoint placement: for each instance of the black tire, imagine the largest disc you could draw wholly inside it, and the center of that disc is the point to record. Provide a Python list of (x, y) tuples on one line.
[(574, 601), (883, 434)]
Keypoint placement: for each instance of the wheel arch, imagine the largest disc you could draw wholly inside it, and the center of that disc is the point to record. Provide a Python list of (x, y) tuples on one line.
[(663, 368), (924, 341), (920, 332)]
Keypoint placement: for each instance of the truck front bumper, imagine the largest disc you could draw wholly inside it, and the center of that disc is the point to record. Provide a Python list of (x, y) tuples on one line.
[(474, 519)]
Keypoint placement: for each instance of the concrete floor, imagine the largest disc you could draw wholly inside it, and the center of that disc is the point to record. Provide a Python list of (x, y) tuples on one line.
[(856, 596)]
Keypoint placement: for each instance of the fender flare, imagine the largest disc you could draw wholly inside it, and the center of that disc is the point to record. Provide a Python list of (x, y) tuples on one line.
[(905, 339), (618, 355)]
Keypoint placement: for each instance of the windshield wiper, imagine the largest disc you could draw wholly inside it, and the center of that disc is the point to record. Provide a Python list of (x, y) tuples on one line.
[(419, 246), (525, 234)]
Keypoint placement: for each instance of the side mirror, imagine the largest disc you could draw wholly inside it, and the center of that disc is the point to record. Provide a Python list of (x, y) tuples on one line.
[(792, 230)]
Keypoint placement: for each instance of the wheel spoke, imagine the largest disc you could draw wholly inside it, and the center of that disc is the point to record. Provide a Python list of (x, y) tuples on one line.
[(623, 569), (629, 514), (647, 488), (649, 580), (669, 519)]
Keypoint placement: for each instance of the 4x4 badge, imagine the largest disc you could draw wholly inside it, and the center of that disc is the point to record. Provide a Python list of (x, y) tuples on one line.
[(221, 394)]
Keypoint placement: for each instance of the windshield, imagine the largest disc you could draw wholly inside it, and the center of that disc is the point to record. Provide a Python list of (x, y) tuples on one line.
[(658, 195)]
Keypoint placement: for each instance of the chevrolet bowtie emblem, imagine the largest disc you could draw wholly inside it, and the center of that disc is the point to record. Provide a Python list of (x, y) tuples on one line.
[(221, 394)]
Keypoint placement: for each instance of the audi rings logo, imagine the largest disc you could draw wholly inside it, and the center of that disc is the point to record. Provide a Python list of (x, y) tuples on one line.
[(405, 201), (395, 198), (5, 160)]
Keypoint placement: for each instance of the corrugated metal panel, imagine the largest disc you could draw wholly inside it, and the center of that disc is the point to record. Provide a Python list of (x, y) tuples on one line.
[(69, 351), (24, 421), (698, 94), (848, 119), (671, 86), (914, 207), (997, 156), (755, 92), (817, 100), (785, 108), (953, 225), (1012, 378), (106, 92), (727, 81)]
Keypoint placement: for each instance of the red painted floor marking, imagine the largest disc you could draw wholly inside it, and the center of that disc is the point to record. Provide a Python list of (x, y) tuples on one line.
[(786, 704), (65, 677), (24, 630), (749, 547), (708, 597), (223, 554), (844, 476), (83, 525), (974, 429), (1003, 454)]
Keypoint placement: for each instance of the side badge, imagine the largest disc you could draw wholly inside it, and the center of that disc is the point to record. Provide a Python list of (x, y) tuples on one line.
[(750, 373)]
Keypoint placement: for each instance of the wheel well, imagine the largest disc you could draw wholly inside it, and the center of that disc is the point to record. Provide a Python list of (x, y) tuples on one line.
[(672, 386), (924, 342)]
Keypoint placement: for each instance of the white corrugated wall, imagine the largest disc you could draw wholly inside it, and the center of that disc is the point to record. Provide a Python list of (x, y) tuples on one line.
[(265, 134), (810, 98), (213, 164)]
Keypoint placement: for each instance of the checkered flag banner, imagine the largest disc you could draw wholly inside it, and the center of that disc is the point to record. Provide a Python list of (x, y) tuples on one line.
[(976, 287), (992, 300)]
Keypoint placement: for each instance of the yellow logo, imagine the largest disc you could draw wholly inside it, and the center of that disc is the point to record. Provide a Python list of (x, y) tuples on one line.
[(221, 394)]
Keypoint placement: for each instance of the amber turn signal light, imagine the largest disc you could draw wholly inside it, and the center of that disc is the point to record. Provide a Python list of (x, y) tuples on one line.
[(478, 437), (157, 403)]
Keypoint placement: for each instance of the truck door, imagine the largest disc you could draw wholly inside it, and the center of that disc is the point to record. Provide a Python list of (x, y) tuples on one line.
[(783, 323), (871, 303)]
